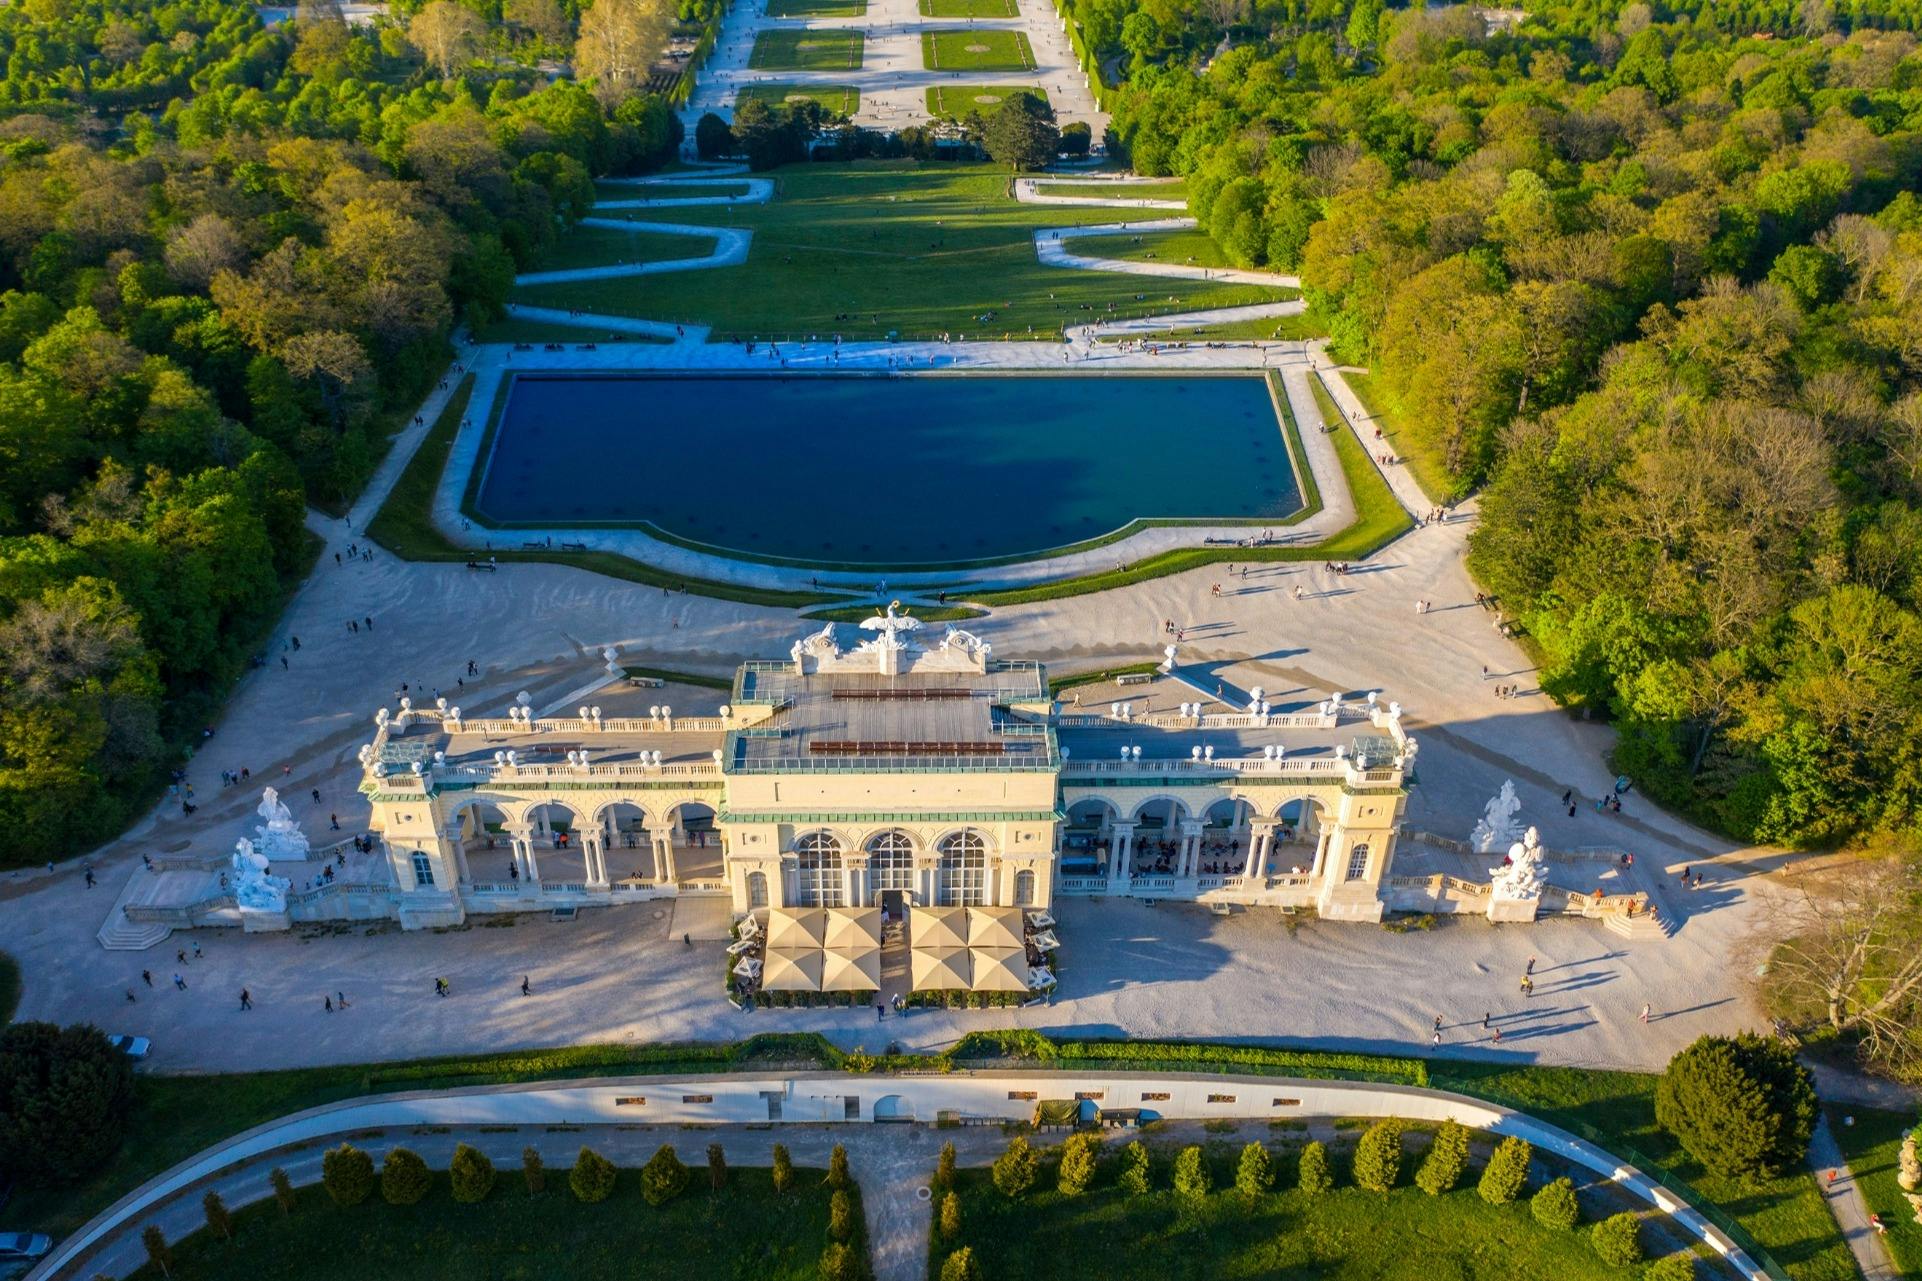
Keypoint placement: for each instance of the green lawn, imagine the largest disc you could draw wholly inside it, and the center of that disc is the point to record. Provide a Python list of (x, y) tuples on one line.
[(878, 247), (745, 1229), (1423, 459), (1347, 1235), (666, 191), (404, 524), (830, 50), (510, 329), (816, 8), (1183, 248), (1616, 1110), (1160, 189), (969, 9), (596, 246), (976, 50), (1871, 1146), (842, 100), (959, 100)]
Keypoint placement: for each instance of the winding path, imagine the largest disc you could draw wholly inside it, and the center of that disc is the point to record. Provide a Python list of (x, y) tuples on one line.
[(1051, 243), (1029, 191), (730, 249)]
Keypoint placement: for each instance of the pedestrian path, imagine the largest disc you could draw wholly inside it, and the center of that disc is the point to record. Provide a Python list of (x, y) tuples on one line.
[(612, 324), (1186, 319), (759, 192), (1051, 246), (730, 250), (1844, 1197), (1032, 191), (1400, 480)]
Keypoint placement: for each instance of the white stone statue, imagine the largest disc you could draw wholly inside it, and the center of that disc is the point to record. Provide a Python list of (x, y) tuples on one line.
[(255, 888), (280, 838), (966, 643), (1498, 829), (1522, 878), (817, 645), (612, 657), (890, 629)]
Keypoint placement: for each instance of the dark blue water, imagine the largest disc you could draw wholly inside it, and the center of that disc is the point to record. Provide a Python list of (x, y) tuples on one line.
[(886, 470)]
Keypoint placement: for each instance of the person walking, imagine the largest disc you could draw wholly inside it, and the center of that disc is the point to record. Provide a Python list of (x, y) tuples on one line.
[(1484, 1020), (246, 999), (1437, 1040), (1531, 966), (1644, 1011), (1438, 1022), (327, 1003), (340, 999), (147, 977), (526, 990), (180, 983)]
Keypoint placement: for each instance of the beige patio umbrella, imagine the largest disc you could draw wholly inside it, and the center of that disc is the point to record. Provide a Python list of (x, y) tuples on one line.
[(938, 969), (852, 927), (999, 969), (994, 927), (851, 970), (937, 927), (796, 928), (792, 970)]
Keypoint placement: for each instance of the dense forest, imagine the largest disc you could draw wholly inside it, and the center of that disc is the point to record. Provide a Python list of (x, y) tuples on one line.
[(1651, 282), (230, 260)]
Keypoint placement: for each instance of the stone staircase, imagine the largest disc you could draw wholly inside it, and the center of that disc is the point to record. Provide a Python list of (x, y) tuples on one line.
[(117, 933), (1642, 926)]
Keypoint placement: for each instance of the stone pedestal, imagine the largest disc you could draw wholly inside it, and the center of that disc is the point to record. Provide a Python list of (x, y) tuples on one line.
[(253, 921), (424, 911), (1509, 911)]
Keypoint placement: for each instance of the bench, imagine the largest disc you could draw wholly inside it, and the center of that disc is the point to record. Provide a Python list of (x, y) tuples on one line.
[(573, 547), (1135, 678), (647, 682), (487, 565)]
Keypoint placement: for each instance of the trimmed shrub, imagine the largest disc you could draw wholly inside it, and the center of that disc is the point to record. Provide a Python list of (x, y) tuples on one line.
[(1015, 1169), (403, 1177), (1317, 1175), (1555, 1206), (1506, 1173), (841, 1216), (1378, 1156), (716, 1167), (533, 1171), (1740, 1105), (283, 1190), (65, 1097), (951, 1217), (1671, 1267), (944, 1169), (220, 1221), (1080, 1156), (1135, 1170), (783, 1168), (1192, 1179), (1447, 1160), (592, 1178), (1255, 1172), (1618, 1240), (470, 1175), (960, 1266), (838, 1263), (838, 1176), (348, 1174), (159, 1253), (664, 1177)]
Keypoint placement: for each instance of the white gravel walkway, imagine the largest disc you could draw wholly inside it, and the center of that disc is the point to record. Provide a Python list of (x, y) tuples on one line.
[(730, 250), (1051, 246)]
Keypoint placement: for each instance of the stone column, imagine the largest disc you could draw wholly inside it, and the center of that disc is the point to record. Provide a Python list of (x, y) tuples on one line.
[(1261, 839), (1188, 866), (518, 838), (1119, 858), (1321, 851), (594, 850), (855, 881), (664, 859)]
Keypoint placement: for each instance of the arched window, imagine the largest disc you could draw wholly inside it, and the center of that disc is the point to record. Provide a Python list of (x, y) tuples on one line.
[(757, 889), (963, 879), (1024, 888), (821, 883), (1357, 862), (891, 861)]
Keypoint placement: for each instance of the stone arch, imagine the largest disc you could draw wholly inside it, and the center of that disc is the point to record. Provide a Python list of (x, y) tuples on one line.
[(1173, 808), (477, 830), (891, 855), (961, 876), (560, 831), (1302, 817), (820, 869)]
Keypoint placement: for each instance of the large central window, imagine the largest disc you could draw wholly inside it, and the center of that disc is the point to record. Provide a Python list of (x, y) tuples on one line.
[(963, 880), (891, 862), (820, 881)]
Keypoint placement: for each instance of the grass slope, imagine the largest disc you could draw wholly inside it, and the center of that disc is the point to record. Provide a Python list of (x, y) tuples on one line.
[(786, 50), (816, 8), (1423, 459), (875, 247), (1347, 1235), (843, 100), (1296, 328), (1160, 189), (959, 100), (969, 9), (1183, 248), (404, 526), (1871, 1147), (598, 246), (974, 49), (745, 1229)]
